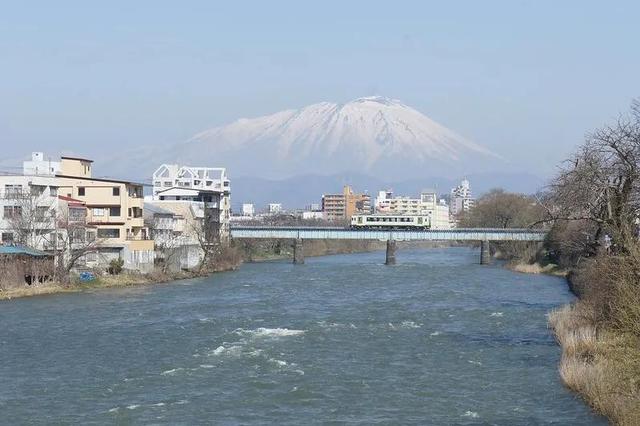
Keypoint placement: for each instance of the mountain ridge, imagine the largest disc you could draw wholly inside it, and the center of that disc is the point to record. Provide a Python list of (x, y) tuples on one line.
[(372, 134)]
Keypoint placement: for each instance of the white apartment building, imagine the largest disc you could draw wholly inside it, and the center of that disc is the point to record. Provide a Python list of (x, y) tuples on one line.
[(28, 208), (174, 227), (39, 166), (461, 199), (274, 208), (426, 205), (248, 209), (207, 187)]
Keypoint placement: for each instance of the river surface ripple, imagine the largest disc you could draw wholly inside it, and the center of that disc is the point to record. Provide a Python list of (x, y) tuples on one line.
[(436, 339)]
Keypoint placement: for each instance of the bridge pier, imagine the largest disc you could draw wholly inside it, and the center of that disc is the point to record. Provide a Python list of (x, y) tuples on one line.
[(485, 252), (391, 252), (298, 252)]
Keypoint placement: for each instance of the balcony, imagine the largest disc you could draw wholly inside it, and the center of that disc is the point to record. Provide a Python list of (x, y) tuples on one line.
[(136, 222), (136, 202)]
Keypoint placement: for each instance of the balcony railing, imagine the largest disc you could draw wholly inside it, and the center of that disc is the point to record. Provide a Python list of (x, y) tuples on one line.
[(139, 238)]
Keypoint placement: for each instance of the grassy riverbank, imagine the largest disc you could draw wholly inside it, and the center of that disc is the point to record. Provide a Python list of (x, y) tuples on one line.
[(600, 336), (601, 365), (103, 281), (230, 260)]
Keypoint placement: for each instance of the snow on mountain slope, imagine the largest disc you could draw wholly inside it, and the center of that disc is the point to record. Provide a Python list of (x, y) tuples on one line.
[(371, 135)]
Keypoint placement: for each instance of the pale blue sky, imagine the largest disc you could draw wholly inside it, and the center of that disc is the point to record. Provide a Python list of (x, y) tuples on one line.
[(525, 79)]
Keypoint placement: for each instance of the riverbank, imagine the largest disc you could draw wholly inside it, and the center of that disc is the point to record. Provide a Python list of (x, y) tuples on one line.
[(602, 366), (600, 336), (123, 279)]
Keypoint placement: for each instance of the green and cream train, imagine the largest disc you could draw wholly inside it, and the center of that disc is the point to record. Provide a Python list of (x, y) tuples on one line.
[(387, 221)]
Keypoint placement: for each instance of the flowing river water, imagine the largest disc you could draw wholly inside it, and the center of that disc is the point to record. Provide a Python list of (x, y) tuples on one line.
[(436, 339)]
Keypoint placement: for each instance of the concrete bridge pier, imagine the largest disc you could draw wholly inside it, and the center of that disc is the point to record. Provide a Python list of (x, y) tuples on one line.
[(391, 252), (485, 252), (298, 252)]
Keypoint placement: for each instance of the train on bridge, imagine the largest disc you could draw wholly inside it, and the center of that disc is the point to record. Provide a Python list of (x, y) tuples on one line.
[(390, 222)]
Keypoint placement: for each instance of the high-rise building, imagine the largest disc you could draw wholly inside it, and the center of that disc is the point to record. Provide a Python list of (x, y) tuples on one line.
[(342, 206), (461, 199)]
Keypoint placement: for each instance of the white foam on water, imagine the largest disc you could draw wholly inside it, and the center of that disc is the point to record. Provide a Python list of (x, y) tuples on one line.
[(435, 333), (474, 362), (132, 406), (159, 404), (496, 314), (410, 324), (278, 362), (181, 402), (223, 350), (170, 372), (300, 372), (114, 410), (207, 366), (271, 332), (205, 319), (471, 414)]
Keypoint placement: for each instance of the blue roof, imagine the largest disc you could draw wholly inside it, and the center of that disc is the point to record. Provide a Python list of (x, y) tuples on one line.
[(21, 250)]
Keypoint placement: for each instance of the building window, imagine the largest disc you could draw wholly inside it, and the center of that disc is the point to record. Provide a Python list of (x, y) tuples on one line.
[(81, 191), (12, 212), (109, 233), (77, 214), (41, 213), (116, 192), (7, 237), (91, 257), (12, 190), (114, 211), (53, 191), (98, 211)]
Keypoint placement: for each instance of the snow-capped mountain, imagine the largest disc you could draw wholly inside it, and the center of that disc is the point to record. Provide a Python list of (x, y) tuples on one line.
[(371, 135)]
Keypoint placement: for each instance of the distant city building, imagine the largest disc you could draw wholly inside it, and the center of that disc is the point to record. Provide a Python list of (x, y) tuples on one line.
[(343, 206), (207, 186), (461, 199), (383, 201), (248, 209), (313, 207), (274, 208), (312, 215)]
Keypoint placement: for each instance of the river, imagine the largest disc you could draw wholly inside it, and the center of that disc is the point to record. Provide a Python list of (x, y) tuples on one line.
[(436, 339)]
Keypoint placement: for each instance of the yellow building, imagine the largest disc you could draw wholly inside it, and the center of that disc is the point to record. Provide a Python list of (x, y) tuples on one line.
[(115, 209)]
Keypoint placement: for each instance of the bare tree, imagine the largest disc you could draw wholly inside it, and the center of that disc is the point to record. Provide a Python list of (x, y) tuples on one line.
[(30, 214), (601, 183), (501, 209), (74, 239)]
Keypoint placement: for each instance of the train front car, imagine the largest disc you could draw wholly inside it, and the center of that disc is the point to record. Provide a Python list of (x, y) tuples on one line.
[(385, 221)]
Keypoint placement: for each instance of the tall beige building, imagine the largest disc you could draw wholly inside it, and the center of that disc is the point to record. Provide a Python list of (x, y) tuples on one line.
[(115, 209), (338, 207)]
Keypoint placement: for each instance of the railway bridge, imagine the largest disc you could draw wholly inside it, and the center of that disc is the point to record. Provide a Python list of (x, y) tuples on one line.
[(299, 233)]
